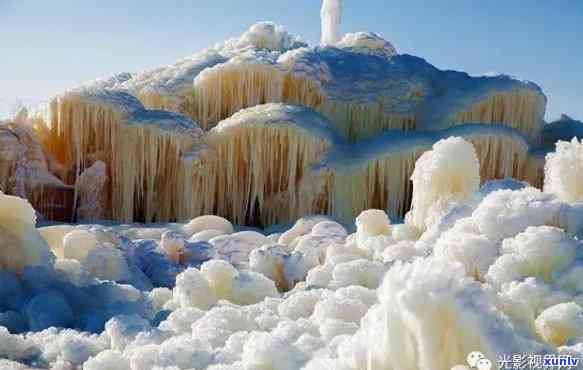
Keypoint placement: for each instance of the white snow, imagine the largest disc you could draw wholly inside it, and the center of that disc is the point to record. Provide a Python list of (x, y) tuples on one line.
[(564, 171), (367, 43)]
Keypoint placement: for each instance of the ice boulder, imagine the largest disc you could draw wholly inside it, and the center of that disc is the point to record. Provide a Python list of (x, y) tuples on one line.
[(559, 323), (173, 244), (48, 309), (54, 235), (251, 287), (21, 244), (193, 290), (205, 223), (111, 360), (372, 223), (106, 262), (78, 243), (447, 174), (564, 171)]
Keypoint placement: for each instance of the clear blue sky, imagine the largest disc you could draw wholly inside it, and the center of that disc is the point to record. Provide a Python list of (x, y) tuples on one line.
[(47, 46)]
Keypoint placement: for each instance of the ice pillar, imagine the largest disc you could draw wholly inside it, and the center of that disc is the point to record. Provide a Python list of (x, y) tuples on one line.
[(331, 14)]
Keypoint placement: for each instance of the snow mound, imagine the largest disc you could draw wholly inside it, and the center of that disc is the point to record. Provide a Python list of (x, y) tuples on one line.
[(367, 43), (267, 35), (564, 171), (499, 272), (21, 244), (447, 174)]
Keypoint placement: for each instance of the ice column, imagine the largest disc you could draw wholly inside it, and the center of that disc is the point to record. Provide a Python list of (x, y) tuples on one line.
[(331, 15)]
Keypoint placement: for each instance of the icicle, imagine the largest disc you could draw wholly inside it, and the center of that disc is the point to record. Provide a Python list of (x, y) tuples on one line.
[(221, 91), (255, 172), (383, 182), (534, 170), (521, 109), (141, 149)]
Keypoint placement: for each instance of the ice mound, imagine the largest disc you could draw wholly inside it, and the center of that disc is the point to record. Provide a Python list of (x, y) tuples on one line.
[(367, 43), (333, 125), (87, 126), (559, 323), (564, 172), (21, 245), (168, 87), (267, 35), (500, 273), (447, 174)]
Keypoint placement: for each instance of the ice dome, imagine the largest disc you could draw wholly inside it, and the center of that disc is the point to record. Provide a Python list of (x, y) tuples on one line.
[(367, 43)]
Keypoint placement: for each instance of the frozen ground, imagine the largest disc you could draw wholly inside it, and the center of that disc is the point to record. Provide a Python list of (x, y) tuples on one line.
[(495, 269)]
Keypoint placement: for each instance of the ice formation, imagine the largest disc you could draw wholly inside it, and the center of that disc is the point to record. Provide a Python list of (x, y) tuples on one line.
[(331, 14), (498, 271), (390, 232), (21, 244), (564, 171), (367, 43), (438, 181), (286, 130)]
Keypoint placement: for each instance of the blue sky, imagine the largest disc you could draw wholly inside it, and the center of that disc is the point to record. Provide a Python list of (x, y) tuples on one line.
[(48, 46)]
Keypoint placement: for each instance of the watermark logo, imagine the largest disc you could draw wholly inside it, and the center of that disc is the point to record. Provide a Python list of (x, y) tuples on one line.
[(538, 361), (478, 361)]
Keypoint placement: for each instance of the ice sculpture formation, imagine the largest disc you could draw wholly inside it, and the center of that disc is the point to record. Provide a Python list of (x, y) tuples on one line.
[(263, 129)]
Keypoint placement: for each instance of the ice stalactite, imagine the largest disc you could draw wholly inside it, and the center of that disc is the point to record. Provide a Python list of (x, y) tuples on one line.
[(379, 179), (381, 183), (363, 121), (221, 91), (141, 149), (259, 158), (331, 15), (534, 169), (157, 100), (522, 110)]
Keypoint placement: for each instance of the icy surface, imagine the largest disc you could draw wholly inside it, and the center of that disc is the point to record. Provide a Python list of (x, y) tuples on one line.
[(497, 271)]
